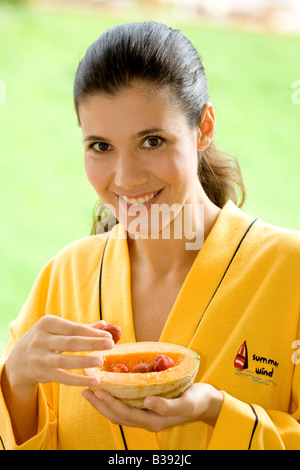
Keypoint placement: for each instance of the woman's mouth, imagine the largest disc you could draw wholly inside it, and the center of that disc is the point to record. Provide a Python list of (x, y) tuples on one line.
[(145, 201)]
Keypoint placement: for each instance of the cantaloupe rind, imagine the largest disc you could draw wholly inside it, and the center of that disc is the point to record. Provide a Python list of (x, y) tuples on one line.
[(133, 388)]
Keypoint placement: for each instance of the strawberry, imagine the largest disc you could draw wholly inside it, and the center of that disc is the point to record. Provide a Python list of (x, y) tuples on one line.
[(119, 368), (163, 362), (143, 368), (152, 366), (114, 330)]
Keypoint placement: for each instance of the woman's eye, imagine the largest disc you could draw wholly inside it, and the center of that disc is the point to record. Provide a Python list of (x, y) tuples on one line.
[(100, 146), (152, 142)]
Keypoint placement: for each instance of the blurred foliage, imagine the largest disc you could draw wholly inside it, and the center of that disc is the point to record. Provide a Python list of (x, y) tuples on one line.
[(14, 2)]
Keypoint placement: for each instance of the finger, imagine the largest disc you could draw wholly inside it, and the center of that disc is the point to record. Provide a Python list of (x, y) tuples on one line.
[(186, 405), (68, 378), (61, 326), (110, 407), (79, 343), (101, 406), (164, 406), (119, 413), (99, 324), (67, 361)]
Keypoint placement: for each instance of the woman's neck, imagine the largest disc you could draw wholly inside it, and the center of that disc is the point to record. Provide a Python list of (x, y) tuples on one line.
[(162, 257)]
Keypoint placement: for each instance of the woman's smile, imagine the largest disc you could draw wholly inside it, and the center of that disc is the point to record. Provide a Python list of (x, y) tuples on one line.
[(141, 200)]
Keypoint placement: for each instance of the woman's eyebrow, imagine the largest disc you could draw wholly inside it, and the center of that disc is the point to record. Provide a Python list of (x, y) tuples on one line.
[(94, 137), (147, 131), (134, 136)]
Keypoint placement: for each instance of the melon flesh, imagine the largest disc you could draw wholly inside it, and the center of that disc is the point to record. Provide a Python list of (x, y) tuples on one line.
[(133, 388)]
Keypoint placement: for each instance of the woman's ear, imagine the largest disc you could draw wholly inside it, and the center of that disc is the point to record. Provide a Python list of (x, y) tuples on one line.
[(206, 129)]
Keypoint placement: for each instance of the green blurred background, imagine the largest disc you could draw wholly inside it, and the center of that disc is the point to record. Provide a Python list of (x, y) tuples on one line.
[(46, 200)]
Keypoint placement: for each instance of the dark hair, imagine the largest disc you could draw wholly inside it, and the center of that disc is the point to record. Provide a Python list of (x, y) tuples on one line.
[(158, 55)]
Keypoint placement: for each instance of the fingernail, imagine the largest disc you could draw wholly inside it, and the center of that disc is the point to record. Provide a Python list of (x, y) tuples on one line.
[(149, 403), (97, 362), (94, 382), (108, 344), (104, 334)]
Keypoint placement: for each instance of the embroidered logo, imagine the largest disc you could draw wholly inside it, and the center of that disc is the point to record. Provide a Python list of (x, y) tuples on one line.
[(241, 359), (263, 367)]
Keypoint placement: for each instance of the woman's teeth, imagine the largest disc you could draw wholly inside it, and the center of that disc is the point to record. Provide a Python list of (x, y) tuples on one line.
[(140, 200)]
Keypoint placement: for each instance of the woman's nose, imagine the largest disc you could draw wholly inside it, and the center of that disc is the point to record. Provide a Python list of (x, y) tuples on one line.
[(129, 173)]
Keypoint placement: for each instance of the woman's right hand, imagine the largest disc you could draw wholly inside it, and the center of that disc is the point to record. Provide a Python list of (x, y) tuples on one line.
[(41, 355)]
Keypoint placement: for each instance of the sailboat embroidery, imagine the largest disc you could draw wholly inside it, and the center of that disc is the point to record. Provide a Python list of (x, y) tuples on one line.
[(241, 359)]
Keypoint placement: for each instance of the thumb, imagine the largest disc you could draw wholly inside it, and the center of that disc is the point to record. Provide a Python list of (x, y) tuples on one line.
[(163, 406)]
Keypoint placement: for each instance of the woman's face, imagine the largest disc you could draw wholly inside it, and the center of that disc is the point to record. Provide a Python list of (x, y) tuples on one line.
[(139, 152)]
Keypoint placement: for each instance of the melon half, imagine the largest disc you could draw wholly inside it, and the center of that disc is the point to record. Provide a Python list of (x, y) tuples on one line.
[(133, 388)]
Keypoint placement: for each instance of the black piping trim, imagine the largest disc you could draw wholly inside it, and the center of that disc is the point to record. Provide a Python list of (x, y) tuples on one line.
[(100, 312), (237, 249), (5, 449), (1, 440), (100, 279), (2, 443), (123, 437), (254, 427)]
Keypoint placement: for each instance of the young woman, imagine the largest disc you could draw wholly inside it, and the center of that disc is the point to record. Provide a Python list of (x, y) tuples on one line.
[(204, 275)]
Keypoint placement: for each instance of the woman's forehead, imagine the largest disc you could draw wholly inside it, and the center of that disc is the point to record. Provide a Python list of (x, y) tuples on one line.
[(142, 91), (138, 107)]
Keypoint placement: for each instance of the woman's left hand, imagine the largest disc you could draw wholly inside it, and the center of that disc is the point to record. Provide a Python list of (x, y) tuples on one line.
[(200, 402)]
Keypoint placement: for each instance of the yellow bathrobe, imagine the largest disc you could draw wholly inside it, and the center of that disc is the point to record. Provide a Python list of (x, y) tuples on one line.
[(238, 309)]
